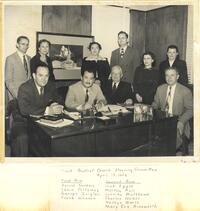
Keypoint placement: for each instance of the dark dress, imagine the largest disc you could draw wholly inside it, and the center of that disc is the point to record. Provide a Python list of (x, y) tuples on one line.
[(101, 67), (180, 65), (35, 61), (146, 83)]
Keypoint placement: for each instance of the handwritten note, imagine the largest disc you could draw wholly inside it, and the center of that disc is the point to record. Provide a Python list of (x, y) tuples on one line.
[(106, 188)]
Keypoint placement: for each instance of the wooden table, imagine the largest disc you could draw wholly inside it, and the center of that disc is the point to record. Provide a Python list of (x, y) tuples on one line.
[(124, 135)]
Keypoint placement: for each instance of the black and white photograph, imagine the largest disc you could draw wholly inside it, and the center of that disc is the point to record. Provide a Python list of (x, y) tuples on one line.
[(98, 80)]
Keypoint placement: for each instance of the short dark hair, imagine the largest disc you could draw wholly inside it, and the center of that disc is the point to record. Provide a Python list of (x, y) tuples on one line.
[(88, 70), (41, 41), (150, 54), (123, 32), (174, 47), (92, 43), (22, 37), (172, 68), (40, 65)]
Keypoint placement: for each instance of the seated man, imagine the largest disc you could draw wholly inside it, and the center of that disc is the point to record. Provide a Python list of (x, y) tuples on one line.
[(177, 100), (118, 91), (85, 94), (38, 96)]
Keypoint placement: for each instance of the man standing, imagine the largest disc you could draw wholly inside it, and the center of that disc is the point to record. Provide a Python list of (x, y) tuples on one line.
[(123, 56), (85, 94), (118, 91), (17, 71), (17, 67), (175, 99)]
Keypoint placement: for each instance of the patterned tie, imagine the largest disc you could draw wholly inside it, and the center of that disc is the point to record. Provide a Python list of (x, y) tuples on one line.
[(122, 52), (168, 100), (25, 65), (86, 96)]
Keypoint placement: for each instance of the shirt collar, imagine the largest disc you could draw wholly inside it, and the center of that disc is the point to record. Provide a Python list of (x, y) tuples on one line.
[(20, 54), (115, 83), (125, 47), (38, 87)]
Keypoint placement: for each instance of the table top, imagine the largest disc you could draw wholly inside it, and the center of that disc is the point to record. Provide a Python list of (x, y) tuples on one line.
[(91, 124)]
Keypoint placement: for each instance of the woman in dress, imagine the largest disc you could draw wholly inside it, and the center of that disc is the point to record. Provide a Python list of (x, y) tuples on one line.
[(146, 79), (42, 57), (97, 63)]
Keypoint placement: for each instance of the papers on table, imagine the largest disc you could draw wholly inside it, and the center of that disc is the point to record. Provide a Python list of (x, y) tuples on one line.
[(108, 110), (65, 122), (73, 115)]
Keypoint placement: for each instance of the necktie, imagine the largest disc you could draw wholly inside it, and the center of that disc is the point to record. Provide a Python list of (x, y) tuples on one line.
[(86, 96), (25, 65), (41, 91), (114, 87), (168, 100), (122, 53)]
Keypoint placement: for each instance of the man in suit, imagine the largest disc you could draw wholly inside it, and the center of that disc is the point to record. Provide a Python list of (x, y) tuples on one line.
[(174, 61), (38, 96), (17, 71), (17, 67), (123, 56), (85, 94), (118, 91), (177, 100)]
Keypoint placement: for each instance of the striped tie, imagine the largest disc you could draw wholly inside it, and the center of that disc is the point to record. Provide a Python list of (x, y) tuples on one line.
[(25, 65)]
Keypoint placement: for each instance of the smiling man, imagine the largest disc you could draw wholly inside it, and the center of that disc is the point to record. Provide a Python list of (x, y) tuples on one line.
[(38, 96), (123, 56), (85, 94), (177, 100)]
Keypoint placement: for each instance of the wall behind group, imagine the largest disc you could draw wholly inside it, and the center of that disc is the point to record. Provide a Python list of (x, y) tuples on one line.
[(21, 20)]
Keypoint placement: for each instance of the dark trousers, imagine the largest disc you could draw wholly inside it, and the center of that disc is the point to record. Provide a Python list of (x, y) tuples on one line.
[(19, 139)]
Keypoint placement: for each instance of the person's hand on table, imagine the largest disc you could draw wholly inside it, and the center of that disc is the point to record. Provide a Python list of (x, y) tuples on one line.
[(55, 108), (99, 104), (128, 102), (139, 98)]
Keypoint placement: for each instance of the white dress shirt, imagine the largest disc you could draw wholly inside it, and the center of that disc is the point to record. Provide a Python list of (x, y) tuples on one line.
[(21, 55)]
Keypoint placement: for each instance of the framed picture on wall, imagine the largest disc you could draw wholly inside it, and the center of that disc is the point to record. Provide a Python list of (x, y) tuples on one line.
[(67, 50)]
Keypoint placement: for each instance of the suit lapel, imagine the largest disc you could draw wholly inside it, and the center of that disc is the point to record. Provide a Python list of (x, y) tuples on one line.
[(19, 61), (176, 96)]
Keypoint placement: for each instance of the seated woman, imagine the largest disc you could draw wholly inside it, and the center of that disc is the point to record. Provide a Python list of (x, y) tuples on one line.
[(118, 91), (97, 63), (42, 57), (146, 79)]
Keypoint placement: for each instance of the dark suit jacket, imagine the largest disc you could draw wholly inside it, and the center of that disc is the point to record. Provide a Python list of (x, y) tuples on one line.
[(182, 103), (180, 65), (126, 63), (29, 100), (36, 60), (15, 74), (122, 93)]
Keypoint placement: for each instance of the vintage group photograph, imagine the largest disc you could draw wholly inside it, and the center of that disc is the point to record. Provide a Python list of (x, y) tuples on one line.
[(98, 80)]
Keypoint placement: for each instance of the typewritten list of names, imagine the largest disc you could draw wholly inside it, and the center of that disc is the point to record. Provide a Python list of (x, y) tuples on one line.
[(108, 188)]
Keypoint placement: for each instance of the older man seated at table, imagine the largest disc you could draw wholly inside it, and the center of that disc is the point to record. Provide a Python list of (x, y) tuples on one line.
[(38, 96), (175, 99), (85, 94), (118, 91)]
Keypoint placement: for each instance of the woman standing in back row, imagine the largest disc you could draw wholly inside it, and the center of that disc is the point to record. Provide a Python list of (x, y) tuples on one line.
[(146, 79), (98, 64)]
